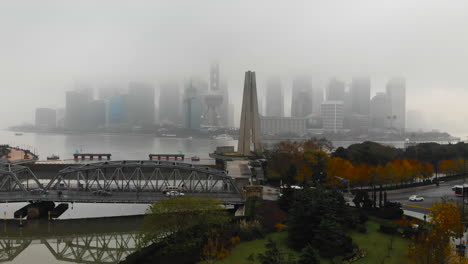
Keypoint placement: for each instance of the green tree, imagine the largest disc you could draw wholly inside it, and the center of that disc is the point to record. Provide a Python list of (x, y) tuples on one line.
[(312, 211), (273, 255), (193, 217), (308, 255)]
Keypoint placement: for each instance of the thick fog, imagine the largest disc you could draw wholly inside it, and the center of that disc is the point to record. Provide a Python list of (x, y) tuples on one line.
[(48, 46)]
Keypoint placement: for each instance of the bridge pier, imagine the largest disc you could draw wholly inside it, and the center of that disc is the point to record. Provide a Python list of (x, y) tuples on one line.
[(43, 209)]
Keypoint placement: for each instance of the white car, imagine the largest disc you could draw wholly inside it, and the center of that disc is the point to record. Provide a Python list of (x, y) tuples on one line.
[(174, 193), (416, 198)]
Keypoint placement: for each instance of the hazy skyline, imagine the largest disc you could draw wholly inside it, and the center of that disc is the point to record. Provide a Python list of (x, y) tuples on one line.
[(47, 46)]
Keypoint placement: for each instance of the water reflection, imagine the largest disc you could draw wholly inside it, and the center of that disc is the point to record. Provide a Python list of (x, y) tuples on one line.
[(106, 240), (92, 248)]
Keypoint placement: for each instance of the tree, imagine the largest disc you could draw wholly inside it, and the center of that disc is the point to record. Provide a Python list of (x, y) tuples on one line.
[(308, 256), (432, 245), (318, 217), (195, 217), (273, 255)]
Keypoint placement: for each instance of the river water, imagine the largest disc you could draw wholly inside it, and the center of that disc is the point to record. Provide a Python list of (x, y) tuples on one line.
[(75, 240)]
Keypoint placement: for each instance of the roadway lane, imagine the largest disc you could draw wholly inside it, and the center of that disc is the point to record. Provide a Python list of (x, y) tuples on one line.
[(116, 197), (431, 194)]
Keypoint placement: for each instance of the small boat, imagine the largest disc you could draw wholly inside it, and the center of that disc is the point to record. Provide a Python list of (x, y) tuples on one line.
[(223, 137), (53, 157), (18, 134), (195, 158)]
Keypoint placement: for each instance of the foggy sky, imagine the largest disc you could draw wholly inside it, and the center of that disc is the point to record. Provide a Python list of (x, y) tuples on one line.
[(47, 46)]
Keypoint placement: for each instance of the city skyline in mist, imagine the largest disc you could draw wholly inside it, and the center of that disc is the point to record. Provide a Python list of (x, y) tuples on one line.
[(49, 46)]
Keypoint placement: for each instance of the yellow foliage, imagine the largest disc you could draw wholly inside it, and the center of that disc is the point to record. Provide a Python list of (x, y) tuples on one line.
[(433, 246), (280, 226)]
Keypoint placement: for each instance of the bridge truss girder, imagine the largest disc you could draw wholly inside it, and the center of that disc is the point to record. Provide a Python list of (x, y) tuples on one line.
[(143, 176), (17, 178), (108, 248), (10, 248)]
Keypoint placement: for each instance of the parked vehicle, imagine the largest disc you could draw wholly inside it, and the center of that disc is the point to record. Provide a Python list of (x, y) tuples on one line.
[(460, 190), (174, 193), (102, 193), (38, 191), (171, 188), (416, 198)]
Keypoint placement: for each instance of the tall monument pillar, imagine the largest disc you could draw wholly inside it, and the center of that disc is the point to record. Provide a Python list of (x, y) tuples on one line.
[(250, 120)]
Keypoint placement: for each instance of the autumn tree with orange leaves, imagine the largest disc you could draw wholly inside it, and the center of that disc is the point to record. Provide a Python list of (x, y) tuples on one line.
[(432, 245)]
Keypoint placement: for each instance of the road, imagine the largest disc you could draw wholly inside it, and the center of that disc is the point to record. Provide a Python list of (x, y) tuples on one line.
[(116, 197), (431, 194)]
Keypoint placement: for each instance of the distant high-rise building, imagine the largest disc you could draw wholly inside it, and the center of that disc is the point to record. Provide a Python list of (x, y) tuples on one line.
[(169, 103), (214, 77), (46, 118), (106, 93), (213, 99), (332, 115), (193, 102), (140, 104), (301, 103), (75, 110), (396, 90), (359, 118), (224, 108), (96, 114), (274, 125), (116, 110), (274, 98), (380, 110), (360, 96), (336, 90), (86, 89), (317, 99)]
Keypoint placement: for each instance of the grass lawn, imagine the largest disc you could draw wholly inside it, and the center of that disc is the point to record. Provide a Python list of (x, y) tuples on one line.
[(376, 244), (373, 242), (240, 253)]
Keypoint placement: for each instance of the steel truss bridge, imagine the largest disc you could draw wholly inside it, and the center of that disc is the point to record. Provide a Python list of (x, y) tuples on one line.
[(87, 248), (123, 182)]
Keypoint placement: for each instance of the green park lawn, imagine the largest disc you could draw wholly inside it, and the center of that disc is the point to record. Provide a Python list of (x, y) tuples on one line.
[(375, 243)]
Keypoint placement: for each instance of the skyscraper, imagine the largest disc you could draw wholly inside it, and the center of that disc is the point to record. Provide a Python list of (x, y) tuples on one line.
[(360, 96), (169, 103), (274, 98), (301, 103), (193, 102), (75, 110), (336, 90), (140, 104), (396, 90), (317, 99), (116, 111), (213, 99), (380, 110), (332, 115)]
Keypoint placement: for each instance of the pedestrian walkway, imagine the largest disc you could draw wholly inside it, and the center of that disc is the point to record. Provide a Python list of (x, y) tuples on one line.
[(416, 215)]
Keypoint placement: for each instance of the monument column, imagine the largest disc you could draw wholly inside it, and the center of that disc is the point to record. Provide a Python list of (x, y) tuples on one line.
[(250, 120)]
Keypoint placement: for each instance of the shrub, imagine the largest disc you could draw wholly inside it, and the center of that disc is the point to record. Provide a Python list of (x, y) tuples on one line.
[(390, 213), (269, 214), (388, 228), (280, 226), (250, 230), (362, 229)]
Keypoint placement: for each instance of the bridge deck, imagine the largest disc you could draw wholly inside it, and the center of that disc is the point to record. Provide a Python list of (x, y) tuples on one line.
[(120, 197)]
